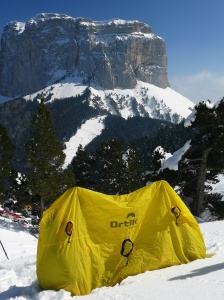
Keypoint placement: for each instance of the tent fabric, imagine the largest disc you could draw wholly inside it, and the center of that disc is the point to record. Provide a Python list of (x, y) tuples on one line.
[(88, 239)]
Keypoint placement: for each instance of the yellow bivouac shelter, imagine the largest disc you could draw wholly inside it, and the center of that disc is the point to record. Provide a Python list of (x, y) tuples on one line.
[(88, 239)]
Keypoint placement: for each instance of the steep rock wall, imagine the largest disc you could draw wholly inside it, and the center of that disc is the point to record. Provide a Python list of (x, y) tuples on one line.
[(113, 53)]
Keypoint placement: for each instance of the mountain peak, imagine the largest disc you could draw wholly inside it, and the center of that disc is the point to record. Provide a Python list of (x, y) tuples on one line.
[(112, 53)]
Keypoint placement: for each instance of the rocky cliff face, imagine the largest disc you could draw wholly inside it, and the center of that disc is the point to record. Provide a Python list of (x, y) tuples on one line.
[(114, 53)]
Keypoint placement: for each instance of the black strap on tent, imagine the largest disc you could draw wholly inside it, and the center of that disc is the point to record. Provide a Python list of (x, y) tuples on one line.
[(68, 229), (126, 248), (176, 211)]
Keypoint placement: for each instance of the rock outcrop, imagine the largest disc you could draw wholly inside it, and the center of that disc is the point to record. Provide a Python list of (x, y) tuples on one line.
[(113, 53)]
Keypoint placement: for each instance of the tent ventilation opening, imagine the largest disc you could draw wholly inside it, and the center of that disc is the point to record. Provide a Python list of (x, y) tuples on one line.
[(176, 211), (68, 230), (126, 248)]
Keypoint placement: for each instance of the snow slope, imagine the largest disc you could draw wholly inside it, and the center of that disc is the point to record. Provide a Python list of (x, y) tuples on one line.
[(201, 279), (150, 96), (84, 135)]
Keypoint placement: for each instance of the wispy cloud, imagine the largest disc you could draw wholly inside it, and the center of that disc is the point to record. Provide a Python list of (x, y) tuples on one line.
[(199, 77), (199, 86), (220, 80)]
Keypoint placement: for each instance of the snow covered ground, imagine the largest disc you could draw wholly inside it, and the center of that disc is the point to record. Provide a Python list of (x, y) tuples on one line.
[(201, 279)]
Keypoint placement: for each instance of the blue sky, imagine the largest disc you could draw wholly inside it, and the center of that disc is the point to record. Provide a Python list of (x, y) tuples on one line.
[(192, 29)]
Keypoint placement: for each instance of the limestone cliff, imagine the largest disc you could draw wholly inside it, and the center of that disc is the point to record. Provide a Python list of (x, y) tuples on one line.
[(113, 53)]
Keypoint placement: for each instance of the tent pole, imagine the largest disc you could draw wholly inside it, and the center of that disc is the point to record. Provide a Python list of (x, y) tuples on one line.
[(4, 250)]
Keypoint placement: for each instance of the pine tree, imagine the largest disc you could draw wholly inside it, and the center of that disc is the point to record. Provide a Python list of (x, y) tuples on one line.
[(45, 157), (82, 166), (157, 157), (108, 165), (133, 172), (7, 150), (110, 170), (156, 172), (202, 162), (18, 188), (205, 153)]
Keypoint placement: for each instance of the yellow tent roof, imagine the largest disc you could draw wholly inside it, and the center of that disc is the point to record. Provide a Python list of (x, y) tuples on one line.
[(89, 240)]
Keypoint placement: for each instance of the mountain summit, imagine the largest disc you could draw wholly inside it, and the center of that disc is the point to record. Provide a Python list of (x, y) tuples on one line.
[(112, 53), (100, 80)]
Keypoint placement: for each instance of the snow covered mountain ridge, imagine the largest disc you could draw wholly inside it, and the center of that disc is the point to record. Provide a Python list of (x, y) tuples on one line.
[(145, 100), (86, 119)]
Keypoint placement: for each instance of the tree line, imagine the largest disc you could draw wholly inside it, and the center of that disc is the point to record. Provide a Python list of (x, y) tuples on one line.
[(45, 179), (114, 167), (200, 165)]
